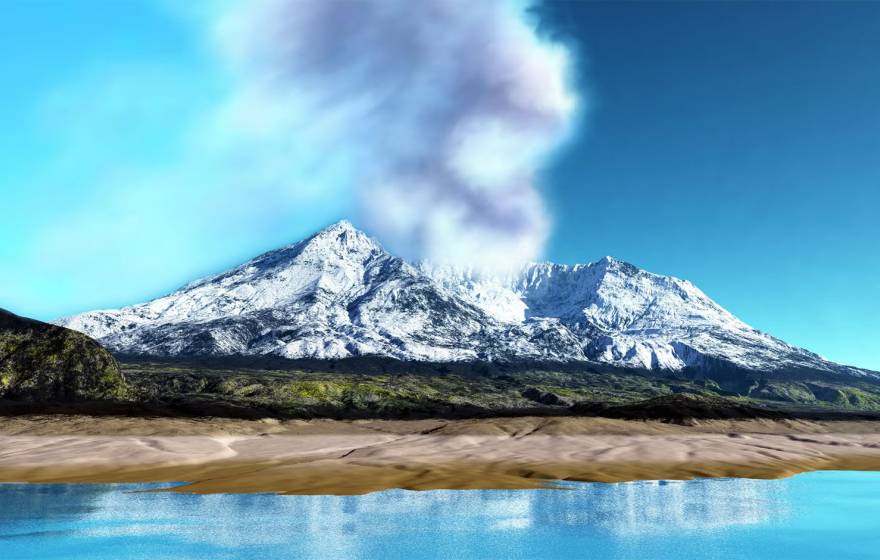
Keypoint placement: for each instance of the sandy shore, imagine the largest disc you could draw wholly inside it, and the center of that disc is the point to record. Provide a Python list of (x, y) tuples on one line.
[(335, 457)]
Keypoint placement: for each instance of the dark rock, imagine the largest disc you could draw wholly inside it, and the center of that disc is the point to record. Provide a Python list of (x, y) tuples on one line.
[(589, 408), (544, 397), (678, 408)]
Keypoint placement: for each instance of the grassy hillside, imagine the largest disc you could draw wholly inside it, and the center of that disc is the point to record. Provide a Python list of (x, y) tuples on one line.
[(44, 363), (371, 388)]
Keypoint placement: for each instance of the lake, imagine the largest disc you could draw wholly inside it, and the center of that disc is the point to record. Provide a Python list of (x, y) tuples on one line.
[(827, 515)]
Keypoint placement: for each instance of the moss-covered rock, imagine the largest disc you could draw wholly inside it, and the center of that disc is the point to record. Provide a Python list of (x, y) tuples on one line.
[(44, 363), (784, 391)]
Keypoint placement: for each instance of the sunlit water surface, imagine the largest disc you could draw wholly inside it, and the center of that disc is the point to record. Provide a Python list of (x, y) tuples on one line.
[(831, 515)]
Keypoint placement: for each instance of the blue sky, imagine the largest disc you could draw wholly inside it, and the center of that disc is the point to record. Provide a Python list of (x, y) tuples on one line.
[(732, 144), (736, 145)]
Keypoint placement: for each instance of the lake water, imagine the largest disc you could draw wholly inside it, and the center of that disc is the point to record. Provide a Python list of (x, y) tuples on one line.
[(830, 515)]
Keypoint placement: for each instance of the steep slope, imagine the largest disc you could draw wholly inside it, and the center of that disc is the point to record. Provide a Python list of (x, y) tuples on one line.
[(629, 317), (335, 294), (42, 362), (339, 294)]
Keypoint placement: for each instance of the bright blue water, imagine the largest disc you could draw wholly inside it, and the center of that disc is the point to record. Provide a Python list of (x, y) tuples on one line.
[(832, 515)]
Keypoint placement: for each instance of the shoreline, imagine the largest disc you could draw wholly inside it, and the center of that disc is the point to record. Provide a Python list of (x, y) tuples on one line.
[(354, 457)]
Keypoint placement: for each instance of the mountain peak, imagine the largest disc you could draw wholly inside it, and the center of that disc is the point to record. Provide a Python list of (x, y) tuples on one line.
[(342, 226), (609, 263), (341, 230), (338, 293), (341, 236)]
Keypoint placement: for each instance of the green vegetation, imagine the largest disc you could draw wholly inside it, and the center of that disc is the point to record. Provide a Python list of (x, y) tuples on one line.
[(42, 363), (45, 363), (857, 395), (352, 390), (314, 393)]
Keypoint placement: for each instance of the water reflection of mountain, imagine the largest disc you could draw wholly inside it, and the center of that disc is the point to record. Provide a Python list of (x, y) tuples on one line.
[(22, 502), (350, 526), (661, 506)]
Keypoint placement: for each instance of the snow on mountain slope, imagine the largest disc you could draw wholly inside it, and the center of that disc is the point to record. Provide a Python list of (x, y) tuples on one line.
[(338, 294), (626, 316)]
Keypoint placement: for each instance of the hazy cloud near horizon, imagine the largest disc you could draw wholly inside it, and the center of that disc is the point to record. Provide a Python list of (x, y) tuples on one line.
[(440, 113)]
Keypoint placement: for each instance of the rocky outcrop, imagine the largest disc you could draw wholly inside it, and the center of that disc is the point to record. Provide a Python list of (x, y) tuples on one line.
[(40, 362)]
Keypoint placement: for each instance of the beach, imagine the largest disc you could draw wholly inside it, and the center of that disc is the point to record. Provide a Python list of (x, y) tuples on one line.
[(213, 455)]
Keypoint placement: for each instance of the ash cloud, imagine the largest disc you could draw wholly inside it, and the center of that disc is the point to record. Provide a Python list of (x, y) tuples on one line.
[(439, 112)]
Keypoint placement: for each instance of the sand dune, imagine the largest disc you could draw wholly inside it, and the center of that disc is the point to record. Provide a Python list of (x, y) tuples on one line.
[(335, 457)]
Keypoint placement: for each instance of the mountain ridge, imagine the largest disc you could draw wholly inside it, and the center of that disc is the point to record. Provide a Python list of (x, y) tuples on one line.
[(339, 294)]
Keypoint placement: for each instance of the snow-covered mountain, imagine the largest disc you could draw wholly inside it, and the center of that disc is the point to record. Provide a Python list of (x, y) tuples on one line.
[(339, 294)]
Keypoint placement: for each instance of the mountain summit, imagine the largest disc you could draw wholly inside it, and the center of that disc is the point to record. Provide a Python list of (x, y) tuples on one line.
[(338, 293)]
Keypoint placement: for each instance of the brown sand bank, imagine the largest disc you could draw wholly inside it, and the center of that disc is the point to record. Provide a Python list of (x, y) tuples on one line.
[(352, 457)]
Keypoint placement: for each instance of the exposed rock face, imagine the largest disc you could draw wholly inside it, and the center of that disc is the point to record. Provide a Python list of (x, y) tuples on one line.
[(339, 294), (47, 363)]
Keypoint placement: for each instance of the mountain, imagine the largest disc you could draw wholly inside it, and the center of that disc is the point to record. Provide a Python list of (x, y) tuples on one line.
[(42, 362), (339, 294)]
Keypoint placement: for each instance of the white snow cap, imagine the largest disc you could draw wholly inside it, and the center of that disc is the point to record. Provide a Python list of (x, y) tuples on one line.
[(338, 293)]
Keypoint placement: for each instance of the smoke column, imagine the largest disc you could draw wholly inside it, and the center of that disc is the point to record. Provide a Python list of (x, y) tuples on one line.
[(440, 112)]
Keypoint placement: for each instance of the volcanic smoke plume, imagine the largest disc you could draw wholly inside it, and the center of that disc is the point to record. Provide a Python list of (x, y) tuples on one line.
[(440, 112)]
